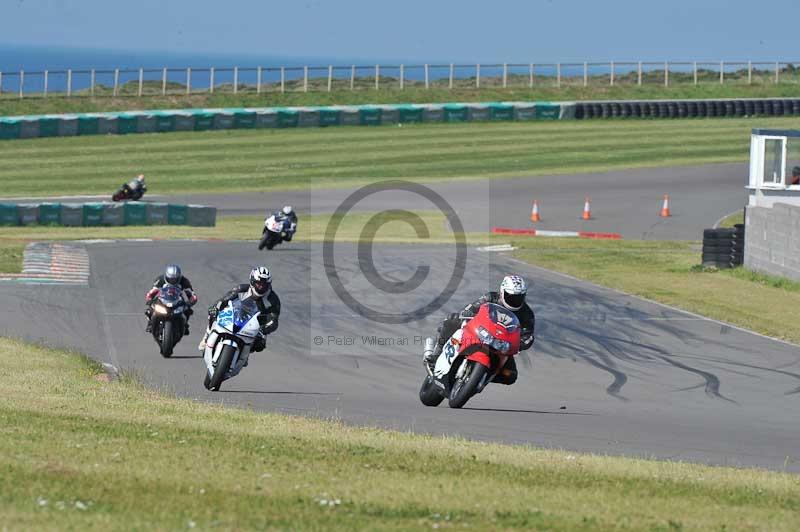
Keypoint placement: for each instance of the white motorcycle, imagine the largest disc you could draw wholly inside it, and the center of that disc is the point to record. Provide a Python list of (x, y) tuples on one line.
[(230, 341), (276, 231)]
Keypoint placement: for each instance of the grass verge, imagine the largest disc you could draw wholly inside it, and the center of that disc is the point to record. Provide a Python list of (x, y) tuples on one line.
[(669, 272), (242, 160), (11, 253), (732, 219), (81, 453)]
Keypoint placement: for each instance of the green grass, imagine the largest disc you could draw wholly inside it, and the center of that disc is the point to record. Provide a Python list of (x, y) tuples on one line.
[(81, 453), (733, 219), (11, 252), (12, 105), (241, 160), (669, 272)]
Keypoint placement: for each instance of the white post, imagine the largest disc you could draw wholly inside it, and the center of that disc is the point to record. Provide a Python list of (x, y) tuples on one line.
[(1, 82), (211, 83), (530, 75), (450, 84), (188, 80), (45, 83), (695, 72), (305, 79), (258, 80), (777, 72), (69, 82), (749, 72), (330, 77), (402, 76), (721, 72), (639, 73), (21, 82), (585, 74), (164, 81), (478, 76), (377, 76), (505, 75), (426, 77), (141, 81), (612, 73), (558, 74), (352, 77), (91, 83), (283, 79), (666, 73), (235, 79)]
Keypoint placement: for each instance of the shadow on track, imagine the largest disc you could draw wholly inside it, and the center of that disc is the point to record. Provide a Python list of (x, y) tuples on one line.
[(558, 413)]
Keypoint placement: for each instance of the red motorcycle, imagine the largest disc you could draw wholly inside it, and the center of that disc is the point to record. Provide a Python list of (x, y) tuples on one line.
[(472, 357)]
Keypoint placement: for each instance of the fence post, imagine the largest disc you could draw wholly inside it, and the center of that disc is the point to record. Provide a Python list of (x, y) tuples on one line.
[(695, 72), (45, 83), (141, 81), (530, 76), (749, 72), (211, 83), (352, 77), (91, 83), (188, 80), (427, 86), (116, 82), (305, 79), (1, 82), (612, 73), (721, 72), (585, 74), (505, 75), (666, 73), (235, 79), (777, 72), (330, 77), (21, 82), (450, 83), (478, 76), (258, 80), (377, 77), (283, 79), (69, 82), (558, 74), (402, 76), (164, 81), (639, 73)]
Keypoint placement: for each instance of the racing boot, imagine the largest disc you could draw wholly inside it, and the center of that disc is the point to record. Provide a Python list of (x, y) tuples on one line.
[(186, 329), (202, 345), (430, 354)]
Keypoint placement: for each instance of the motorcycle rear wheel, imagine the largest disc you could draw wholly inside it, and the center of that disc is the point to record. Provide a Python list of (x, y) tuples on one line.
[(223, 365), (428, 393), (467, 386), (167, 339)]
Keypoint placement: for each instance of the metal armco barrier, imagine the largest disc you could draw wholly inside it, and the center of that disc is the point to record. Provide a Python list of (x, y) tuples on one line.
[(106, 214)]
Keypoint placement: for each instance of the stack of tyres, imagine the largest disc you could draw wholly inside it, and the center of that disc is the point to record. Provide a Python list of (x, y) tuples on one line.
[(737, 245), (718, 247)]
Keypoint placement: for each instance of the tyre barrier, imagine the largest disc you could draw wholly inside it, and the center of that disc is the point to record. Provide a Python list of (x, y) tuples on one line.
[(723, 248), (106, 214), (688, 108)]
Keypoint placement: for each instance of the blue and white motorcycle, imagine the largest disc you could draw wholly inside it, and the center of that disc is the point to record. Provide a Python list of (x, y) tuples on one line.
[(230, 341)]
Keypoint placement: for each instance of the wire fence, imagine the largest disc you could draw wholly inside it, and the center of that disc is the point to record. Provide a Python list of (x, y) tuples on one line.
[(234, 80)]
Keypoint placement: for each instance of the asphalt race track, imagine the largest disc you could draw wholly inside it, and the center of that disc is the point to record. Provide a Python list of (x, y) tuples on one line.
[(626, 202), (609, 373)]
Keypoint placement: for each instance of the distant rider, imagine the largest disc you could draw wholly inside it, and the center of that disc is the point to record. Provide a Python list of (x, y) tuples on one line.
[(511, 296), (172, 276), (260, 291), (287, 214), (135, 188)]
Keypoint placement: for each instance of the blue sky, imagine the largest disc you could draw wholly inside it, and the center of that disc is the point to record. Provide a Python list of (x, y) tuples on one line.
[(416, 30)]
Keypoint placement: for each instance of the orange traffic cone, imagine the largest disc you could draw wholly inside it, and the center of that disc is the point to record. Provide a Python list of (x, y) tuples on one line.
[(535, 212), (665, 207), (587, 213)]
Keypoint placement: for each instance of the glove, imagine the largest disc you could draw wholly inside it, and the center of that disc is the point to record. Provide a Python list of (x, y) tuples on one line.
[(213, 311), (259, 344)]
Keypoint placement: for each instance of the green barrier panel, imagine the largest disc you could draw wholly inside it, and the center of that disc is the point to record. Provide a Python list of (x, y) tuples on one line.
[(184, 121), (48, 127), (71, 214), (524, 111), (287, 117), (29, 128), (266, 118), (307, 117), (203, 120), (243, 119), (164, 121), (223, 120), (8, 214), (501, 111), (92, 214), (199, 215), (409, 114), (50, 214), (113, 213), (157, 213), (432, 113), (87, 125), (135, 213), (389, 114), (28, 213), (547, 111), (370, 116), (455, 113), (107, 124), (68, 126), (10, 128), (127, 123), (329, 117), (146, 124), (478, 112), (349, 116), (177, 214)]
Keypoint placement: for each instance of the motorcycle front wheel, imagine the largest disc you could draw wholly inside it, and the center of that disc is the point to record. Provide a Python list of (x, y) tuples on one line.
[(467, 385), (264, 239), (224, 362), (167, 339)]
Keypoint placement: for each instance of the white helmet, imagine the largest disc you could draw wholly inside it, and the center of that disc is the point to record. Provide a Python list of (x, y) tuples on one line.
[(140, 178), (512, 292), (287, 210), (260, 281)]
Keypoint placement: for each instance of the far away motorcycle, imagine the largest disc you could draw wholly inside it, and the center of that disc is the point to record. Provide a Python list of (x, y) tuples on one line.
[(275, 232), (168, 319), (471, 357)]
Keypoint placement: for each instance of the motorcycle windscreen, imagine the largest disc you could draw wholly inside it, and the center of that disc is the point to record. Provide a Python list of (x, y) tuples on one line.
[(169, 294), (243, 313)]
